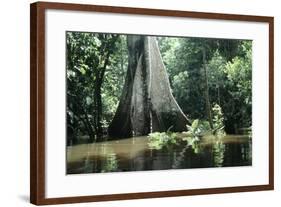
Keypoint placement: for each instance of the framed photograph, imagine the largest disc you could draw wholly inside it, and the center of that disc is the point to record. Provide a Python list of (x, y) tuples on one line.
[(130, 103)]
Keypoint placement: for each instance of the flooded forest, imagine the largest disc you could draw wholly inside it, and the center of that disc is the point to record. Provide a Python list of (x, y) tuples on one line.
[(137, 102)]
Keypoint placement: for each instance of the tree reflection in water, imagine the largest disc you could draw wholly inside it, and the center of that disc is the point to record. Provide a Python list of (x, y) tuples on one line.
[(137, 154), (110, 163)]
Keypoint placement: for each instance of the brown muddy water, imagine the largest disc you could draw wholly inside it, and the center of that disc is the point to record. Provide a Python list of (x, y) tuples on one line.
[(135, 154)]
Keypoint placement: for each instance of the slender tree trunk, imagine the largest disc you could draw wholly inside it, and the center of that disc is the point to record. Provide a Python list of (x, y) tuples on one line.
[(99, 131), (146, 103), (207, 97), (99, 80)]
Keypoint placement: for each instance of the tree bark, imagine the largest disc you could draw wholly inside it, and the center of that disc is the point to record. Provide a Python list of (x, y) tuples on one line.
[(165, 111), (146, 103), (121, 125)]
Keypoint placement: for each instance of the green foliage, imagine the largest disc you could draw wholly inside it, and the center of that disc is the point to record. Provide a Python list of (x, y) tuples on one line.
[(197, 129), (218, 119), (114, 79), (158, 140), (192, 137), (194, 130), (229, 69), (217, 77), (180, 85), (218, 131), (94, 78), (239, 74)]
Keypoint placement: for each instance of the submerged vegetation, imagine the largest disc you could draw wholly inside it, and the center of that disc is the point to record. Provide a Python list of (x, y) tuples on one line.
[(191, 139), (195, 133), (158, 140)]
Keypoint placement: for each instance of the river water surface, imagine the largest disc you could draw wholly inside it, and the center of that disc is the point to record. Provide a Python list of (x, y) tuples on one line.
[(135, 154)]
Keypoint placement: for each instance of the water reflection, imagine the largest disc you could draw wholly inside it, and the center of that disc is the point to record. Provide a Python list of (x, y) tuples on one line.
[(218, 152), (137, 154)]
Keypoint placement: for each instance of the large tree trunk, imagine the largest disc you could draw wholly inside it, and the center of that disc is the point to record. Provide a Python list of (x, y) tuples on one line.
[(146, 103), (121, 125), (165, 112)]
